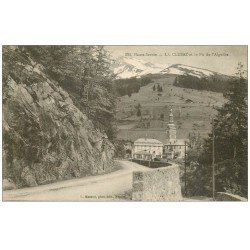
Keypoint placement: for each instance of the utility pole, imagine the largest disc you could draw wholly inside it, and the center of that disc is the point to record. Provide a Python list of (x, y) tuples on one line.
[(213, 174), (185, 169), (179, 111)]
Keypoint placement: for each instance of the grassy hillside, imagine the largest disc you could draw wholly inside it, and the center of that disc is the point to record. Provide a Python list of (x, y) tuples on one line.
[(192, 109)]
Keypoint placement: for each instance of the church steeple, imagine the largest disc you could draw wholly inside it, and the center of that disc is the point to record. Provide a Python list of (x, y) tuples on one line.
[(171, 117), (171, 129)]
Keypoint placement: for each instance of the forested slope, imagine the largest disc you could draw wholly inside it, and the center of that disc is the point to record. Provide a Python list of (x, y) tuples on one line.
[(213, 83)]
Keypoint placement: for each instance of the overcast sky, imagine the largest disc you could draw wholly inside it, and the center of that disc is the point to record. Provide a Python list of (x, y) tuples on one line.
[(198, 56)]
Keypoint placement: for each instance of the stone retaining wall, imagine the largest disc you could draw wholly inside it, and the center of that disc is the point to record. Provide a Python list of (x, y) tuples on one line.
[(151, 164), (162, 184)]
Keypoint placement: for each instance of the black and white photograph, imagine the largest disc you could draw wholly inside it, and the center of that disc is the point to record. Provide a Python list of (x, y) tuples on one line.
[(124, 123)]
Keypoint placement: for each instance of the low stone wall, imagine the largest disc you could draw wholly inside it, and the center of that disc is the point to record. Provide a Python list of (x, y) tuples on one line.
[(220, 196), (151, 164), (162, 184)]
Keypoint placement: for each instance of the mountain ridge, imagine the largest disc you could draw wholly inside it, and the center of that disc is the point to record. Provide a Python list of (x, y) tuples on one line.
[(124, 67)]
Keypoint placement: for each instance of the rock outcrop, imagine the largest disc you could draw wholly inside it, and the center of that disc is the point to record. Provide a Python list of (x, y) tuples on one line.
[(46, 137)]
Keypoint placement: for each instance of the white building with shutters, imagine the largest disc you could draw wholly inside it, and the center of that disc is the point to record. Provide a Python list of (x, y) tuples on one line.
[(146, 146)]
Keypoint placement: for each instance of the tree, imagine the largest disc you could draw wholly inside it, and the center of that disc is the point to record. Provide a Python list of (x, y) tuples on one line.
[(231, 137), (119, 148), (138, 112), (145, 81), (230, 130), (213, 83), (158, 88), (84, 72)]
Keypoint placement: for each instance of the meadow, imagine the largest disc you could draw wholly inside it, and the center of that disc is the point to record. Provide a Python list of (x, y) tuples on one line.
[(193, 110)]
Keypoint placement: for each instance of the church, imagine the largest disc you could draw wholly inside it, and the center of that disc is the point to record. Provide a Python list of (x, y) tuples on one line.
[(173, 147), (170, 148)]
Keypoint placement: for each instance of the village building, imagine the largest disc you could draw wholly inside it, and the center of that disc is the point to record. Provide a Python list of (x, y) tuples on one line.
[(173, 147), (143, 155), (145, 148), (170, 148)]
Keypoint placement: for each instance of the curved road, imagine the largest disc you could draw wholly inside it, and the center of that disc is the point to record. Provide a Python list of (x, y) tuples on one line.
[(92, 188)]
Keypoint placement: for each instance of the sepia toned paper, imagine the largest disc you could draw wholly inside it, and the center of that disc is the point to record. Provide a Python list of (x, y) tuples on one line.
[(125, 123)]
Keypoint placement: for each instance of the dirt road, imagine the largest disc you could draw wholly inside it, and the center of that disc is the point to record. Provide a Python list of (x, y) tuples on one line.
[(91, 188)]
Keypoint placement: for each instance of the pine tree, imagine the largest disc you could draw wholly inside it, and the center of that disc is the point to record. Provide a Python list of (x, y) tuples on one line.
[(158, 88), (138, 112), (230, 131), (84, 72)]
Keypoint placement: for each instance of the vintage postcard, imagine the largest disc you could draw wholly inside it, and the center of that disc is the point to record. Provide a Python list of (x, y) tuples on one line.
[(125, 123)]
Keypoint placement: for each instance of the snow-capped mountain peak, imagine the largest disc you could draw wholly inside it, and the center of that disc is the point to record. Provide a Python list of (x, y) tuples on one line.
[(125, 67), (180, 69)]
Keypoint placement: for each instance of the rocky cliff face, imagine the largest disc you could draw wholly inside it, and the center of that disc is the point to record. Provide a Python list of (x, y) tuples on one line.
[(46, 137)]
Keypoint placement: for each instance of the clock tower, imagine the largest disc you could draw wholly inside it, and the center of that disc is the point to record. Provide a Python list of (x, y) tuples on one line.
[(171, 129)]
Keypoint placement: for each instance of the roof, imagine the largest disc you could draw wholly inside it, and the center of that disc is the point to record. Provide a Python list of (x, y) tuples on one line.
[(148, 141)]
